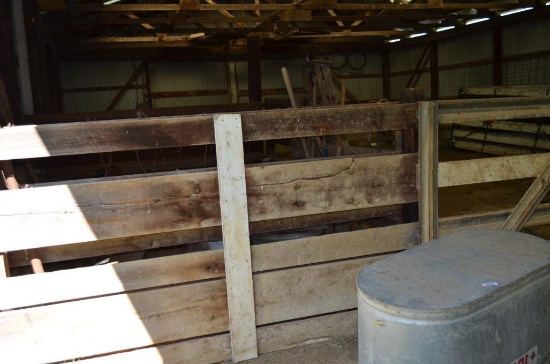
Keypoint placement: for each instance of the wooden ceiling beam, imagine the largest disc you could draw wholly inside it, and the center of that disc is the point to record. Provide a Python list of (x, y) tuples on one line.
[(314, 18), (287, 7)]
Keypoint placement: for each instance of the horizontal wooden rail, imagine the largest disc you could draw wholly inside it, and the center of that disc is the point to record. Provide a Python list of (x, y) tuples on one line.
[(152, 241), (217, 348), (66, 285), (36, 141), (135, 320), (489, 220), (122, 208), (464, 172), (457, 111)]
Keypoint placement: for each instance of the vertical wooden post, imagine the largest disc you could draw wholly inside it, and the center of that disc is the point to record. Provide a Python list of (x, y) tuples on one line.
[(23, 57), (497, 56), (231, 77), (236, 240), (428, 142), (434, 70), (254, 57)]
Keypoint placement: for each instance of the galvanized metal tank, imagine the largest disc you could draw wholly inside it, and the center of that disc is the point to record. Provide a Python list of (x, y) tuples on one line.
[(481, 296)]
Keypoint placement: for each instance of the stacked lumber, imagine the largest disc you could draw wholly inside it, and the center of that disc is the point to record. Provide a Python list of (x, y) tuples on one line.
[(505, 137)]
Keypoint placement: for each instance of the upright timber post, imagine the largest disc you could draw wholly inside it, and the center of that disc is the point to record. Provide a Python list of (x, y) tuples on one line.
[(428, 142), (236, 239), (22, 57), (253, 52)]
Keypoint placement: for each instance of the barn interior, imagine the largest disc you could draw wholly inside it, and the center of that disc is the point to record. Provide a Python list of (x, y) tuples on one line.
[(201, 181)]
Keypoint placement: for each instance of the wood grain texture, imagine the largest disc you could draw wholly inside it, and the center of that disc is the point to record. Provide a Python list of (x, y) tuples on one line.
[(130, 134), (217, 348), (69, 331), (66, 285), (457, 111), (236, 239), (102, 248), (207, 350), (123, 208), (307, 291), (326, 186), (428, 158), (491, 220), (456, 173), (331, 247)]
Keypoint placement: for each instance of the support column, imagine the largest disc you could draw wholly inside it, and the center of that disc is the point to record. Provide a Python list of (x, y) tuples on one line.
[(23, 57), (254, 57)]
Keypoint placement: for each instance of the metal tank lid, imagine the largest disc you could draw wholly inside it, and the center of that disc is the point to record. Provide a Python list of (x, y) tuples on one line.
[(454, 275)]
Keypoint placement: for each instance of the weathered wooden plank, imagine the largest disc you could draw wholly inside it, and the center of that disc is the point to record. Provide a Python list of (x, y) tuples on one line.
[(457, 111), (217, 348), (35, 141), (143, 242), (236, 239), (307, 291), (331, 185), (69, 331), (492, 220), (326, 248), (66, 285), (428, 156), (529, 202), (496, 91), (456, 173), (122, 208), (116, 135), (206, 350)]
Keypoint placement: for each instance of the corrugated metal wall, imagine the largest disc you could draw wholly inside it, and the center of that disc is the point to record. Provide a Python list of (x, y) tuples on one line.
[(189, 76), (97, 74), (526, 38), (405, 59), (463, 49), (360, 70)]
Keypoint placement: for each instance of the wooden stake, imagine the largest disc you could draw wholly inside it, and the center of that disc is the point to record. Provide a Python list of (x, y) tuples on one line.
[(236, 239), (428, 171), (529, 202)]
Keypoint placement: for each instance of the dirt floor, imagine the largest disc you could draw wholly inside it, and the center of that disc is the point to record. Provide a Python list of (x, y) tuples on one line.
[(335, 351)]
